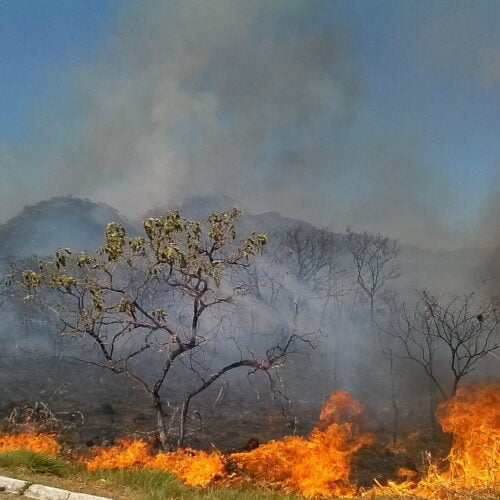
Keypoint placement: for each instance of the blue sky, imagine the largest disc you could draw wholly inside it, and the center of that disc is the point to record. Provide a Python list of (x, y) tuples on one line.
[(380, 115), (41, 41)]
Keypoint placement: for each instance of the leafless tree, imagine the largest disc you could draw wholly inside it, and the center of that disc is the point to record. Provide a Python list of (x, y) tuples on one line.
[(460, 329), (153, 307), (314, 257), (373, 256), (311, 254)]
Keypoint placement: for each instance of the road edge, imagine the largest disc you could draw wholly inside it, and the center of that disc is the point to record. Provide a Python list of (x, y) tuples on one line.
[(41, 492)]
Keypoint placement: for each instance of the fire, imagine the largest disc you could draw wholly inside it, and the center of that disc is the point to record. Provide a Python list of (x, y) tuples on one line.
[(318, 465), (473, 417), (32, 441), (312, 466), (196, 468), (125, 454), (407, 473), (339, 408)]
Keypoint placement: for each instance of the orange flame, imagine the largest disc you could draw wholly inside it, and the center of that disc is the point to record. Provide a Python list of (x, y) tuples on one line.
[(318, 465), (196, 468), (125, 454), (473, 416), (32, 441)]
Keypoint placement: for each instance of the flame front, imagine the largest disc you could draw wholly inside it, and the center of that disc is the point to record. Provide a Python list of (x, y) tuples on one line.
[(473, 417), (312, 466), (123, 455), (194, 467), (32, 441), (318, 465)]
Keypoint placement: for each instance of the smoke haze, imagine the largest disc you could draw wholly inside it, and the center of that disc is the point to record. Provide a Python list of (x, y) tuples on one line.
[(303, 107)]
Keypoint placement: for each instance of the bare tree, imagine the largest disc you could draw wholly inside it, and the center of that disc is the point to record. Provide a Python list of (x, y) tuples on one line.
[(459, 329), (153, 307), (373, 256), (311, 254)]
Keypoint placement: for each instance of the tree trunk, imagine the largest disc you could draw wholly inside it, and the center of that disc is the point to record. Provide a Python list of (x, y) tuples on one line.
[(394, 402), (160, 422), (432, 405), (184, 412)]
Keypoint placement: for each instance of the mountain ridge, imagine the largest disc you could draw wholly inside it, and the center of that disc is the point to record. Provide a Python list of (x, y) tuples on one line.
[(80, 224), (41, 228)]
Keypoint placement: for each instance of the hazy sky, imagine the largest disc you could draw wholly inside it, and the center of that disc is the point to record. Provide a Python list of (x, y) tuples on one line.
[(381, 115)]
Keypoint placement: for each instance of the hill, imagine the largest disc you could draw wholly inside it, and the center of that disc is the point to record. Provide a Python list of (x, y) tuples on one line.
[(59, 222)]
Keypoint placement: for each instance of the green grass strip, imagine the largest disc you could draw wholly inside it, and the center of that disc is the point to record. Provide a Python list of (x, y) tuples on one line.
[(36, 462), (160, 485), (153, 484)]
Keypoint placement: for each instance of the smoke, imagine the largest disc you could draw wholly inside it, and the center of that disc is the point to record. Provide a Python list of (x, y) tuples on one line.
[(488, 273), (463, 41), (490, 218), (207, 97), (263, 101)]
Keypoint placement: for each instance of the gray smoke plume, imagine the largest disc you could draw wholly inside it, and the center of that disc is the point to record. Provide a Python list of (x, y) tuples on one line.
[(208, 97), (261, 100)]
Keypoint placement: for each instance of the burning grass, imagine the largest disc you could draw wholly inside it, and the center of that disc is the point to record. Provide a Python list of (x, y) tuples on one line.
[(319, 465), (31, 441), (473, 417), (194, 467), (159, 485)]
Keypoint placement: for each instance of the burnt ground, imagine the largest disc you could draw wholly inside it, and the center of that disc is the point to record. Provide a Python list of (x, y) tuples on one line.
[(95, 408)]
